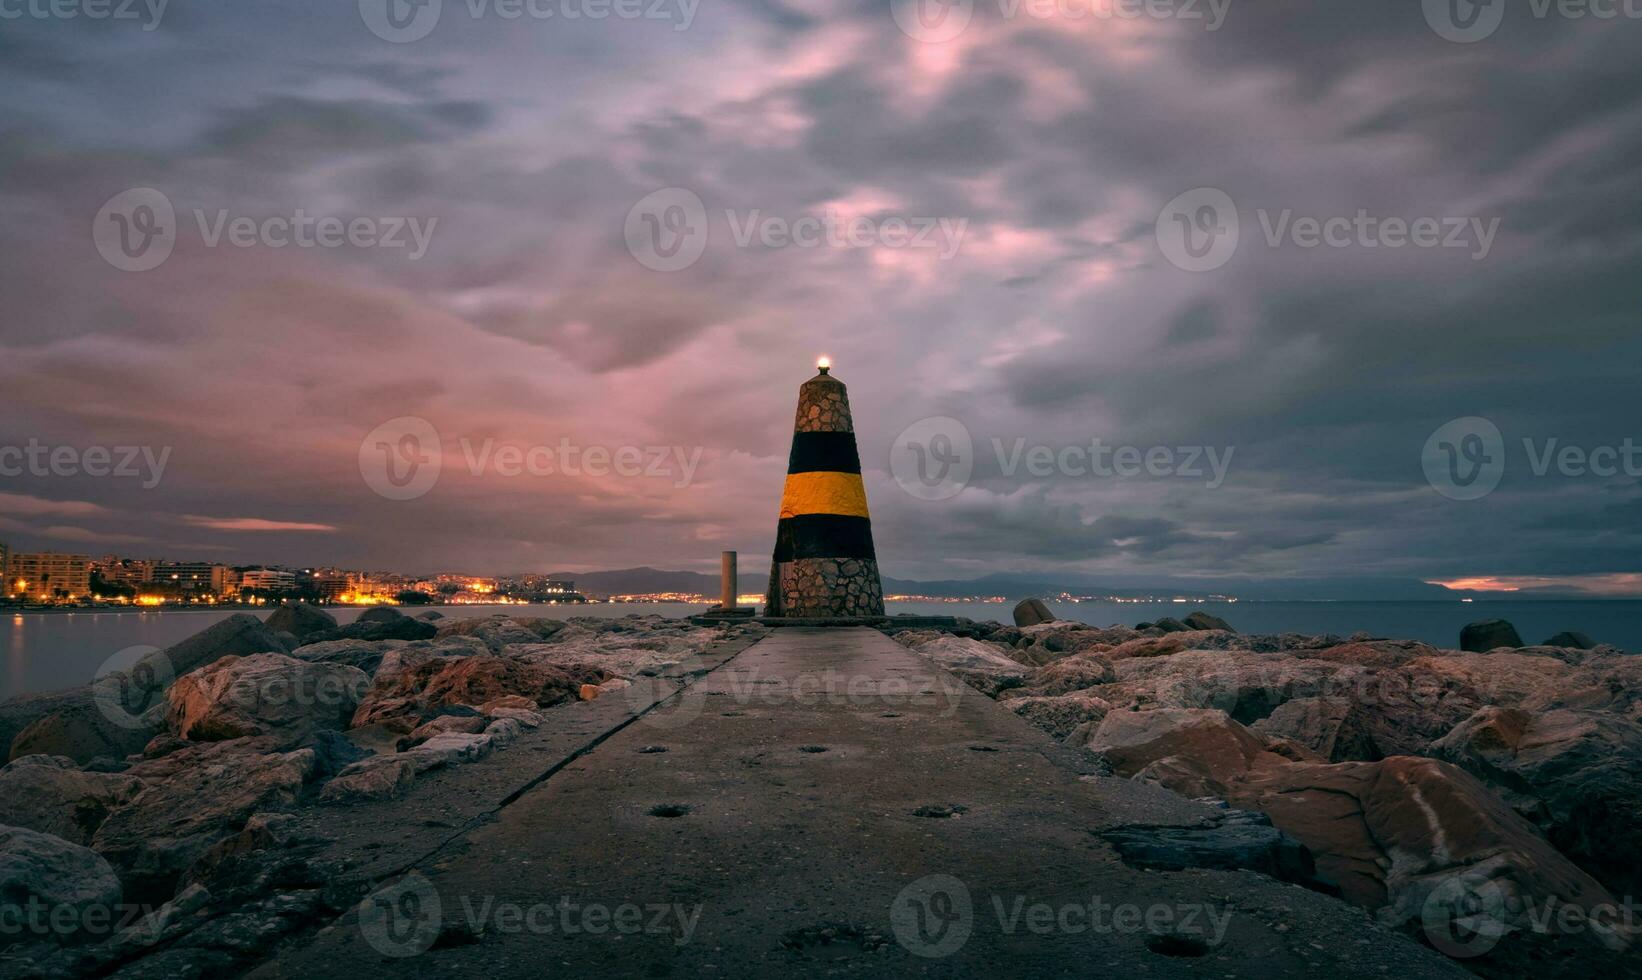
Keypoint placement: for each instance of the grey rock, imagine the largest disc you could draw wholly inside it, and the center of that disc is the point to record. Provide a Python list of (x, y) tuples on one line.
[(300, 619), (48, 794), (1334, 728), (1488, 634), (1031, 612), (58, 874), (382, 777), (380, 614), (265, 694), (1235, 840), (193, 799), (1571, 639), (1201, 620)]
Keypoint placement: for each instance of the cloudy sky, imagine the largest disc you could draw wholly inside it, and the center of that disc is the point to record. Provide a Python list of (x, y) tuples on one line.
[(1046, 222)]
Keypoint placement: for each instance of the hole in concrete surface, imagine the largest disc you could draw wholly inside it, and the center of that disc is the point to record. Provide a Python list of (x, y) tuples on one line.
[(833, 934), (940, 811), (890, 714), (1174, 944), (651, 749), (734, 714), (982, 748), (812, 748), (669, 810)]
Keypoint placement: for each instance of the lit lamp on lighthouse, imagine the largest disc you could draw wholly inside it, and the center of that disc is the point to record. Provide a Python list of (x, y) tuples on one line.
[(823, 364)]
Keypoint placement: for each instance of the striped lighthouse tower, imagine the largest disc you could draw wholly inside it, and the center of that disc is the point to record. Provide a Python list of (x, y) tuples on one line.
[(824, 565)]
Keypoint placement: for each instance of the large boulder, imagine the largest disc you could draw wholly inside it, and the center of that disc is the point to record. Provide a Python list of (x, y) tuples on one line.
[(1247, 686), (239, 635), (380, 614), (192, 799), (1067, 675), (51, 795), (1061, 715), (1201, 620), (364, 654), (961, 652), (405, 697), (1196, 752), (1577, 775), (1414, 838), (1571, 640), (265, 694), (1231, 840), (124, 708), (74, 885), (1334, 728), (1031, 612), (108, 720), (1488, 634), (300, 619), (380, 777), (400, 628)]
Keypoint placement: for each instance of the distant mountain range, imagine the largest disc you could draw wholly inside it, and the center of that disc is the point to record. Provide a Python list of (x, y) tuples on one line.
[(630, 581)]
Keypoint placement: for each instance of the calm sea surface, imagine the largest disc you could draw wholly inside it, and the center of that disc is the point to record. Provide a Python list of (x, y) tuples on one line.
[(47, 651)]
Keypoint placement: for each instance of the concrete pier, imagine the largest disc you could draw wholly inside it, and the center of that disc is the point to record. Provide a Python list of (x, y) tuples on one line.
[(825, 802)]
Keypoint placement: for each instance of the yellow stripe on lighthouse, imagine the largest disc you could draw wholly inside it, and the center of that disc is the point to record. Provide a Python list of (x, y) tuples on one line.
[(824, 493)]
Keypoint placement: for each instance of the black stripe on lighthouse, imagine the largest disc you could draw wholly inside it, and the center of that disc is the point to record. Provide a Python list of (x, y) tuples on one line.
[(823, 452), (823, 536)]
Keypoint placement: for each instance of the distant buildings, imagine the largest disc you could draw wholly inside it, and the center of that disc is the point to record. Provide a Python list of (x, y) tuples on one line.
[(268, 580), (50, 578), (47, 576), (189, 579)]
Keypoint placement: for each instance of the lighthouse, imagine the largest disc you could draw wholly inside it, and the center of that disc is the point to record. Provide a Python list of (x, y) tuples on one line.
[(824, 566)]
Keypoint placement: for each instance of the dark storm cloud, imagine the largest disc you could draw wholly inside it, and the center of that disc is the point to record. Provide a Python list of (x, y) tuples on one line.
[(1058, 321)]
